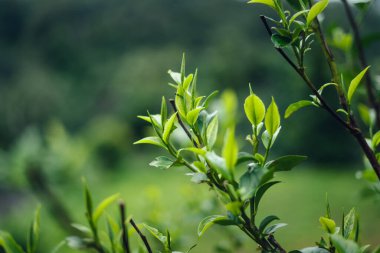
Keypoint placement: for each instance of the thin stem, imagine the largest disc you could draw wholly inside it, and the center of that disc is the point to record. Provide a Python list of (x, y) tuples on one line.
[(124, 236), (172, 102), (143, 237), (277, 246), (363, 62)]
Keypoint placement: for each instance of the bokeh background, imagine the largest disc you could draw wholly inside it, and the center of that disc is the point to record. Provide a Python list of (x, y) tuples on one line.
[(75, 74)]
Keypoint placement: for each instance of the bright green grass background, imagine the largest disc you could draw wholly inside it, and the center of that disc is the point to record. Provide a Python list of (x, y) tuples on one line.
[(168, 200)]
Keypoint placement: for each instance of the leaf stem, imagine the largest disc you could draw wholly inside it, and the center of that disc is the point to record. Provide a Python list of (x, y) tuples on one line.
[(124, 229), (142, 236)]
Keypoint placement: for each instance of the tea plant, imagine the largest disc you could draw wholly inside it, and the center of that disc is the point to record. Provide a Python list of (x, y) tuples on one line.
[(294, 31)]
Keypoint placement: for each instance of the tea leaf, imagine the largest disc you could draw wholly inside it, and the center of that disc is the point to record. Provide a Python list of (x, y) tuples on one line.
[(292, 108), (162, 162), (354, 84), (103, 205), (265, 222), (254, 109), (344, 246), (261, 191), (207, 222), (315, 10), (349, 224), (272, 229), (212, 132), (153, 140), (328, 225), (269, 3), (272, 118), (285, 163), (168, 128), (230, 149), (280, 41), (9, 244)]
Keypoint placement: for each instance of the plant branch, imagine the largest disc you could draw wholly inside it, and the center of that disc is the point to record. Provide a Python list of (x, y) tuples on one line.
[(172, 102), (363, 62), (351, 125), (277, 246), (124, 236), (143, 237)]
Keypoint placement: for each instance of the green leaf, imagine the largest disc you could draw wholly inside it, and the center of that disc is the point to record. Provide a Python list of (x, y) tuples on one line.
[(180, 104), (212, 132), (285, 163), (269, 3), (153, 140), (367, 115), (207, 222), (168, 128), (187, 81), (349, 225), (250, 180), (296, 106), (315, 10), (76, 242), (81, 228), (376, 139), (254, 109), (158, 235), (354, 84), (162, 162), (197, 151), (272, 118), (296, 15), (103, 205), (344, 246), (88, 199), (268, 140), (230, 149), (280, 41), (313, 250), (219, 164), (234, 208), (164, 111), (193, 115), (9, 244), (199, 178), (272, 229), (175, 76), (245, 157), (209, 98), (34, 232), (265, 222), (328, 225), (261, 191)]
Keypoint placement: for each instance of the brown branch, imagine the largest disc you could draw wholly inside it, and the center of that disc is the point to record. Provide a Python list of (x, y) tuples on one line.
[(124, 236), (371, 93), (143, 237)]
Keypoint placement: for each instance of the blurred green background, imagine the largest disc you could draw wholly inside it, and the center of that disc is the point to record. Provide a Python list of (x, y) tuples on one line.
[(74, 75)]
